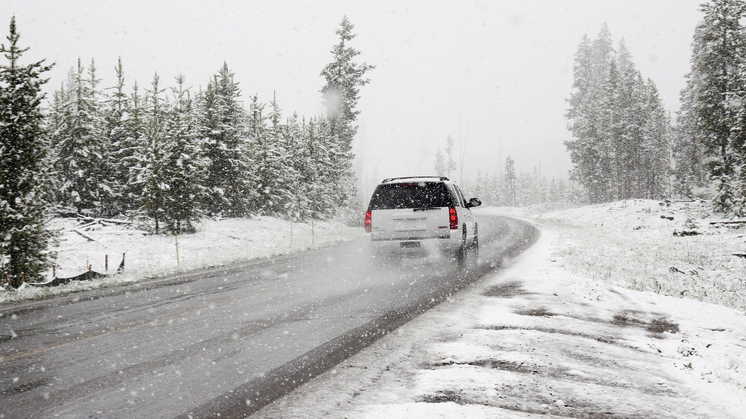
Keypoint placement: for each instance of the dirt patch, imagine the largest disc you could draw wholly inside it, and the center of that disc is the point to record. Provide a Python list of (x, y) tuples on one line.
[(533, 405), (662, 325), (635, 318), (629, 318), (537, 312), (505, 290), (609, 340), (446, 396), (496, 364)]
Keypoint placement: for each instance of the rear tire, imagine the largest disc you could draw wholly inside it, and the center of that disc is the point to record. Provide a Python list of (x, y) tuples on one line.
[(475, 245), (473, 259), (462, 252)]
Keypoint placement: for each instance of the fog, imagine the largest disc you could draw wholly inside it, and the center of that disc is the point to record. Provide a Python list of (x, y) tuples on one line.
[(492, 74)]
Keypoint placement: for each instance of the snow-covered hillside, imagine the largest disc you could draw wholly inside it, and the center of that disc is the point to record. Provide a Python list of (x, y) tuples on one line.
[(218, 242)]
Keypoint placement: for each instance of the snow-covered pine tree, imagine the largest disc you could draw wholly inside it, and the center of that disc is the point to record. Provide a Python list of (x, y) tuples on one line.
[(152, 161), (715, 89), (229, 179), (341, 93), (80, 145), (322, 199), (307, 167), (620, 148), (450, 163), (440, 163), (184, 167), (24, 237), (510, 182), (272, 167), (655, 152), (55, 125), (120, 153), (132, 151), (587, 150), (690, 174), (292, 144)]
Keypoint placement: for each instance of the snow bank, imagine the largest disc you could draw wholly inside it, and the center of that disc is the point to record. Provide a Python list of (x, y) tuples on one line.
[(218, 242)]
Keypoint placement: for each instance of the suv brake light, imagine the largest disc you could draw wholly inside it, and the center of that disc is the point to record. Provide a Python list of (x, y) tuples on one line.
[(368, 225), (452, 218)]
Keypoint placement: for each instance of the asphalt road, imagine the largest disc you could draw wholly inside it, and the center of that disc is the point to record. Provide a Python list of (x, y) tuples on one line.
[(222, 341)]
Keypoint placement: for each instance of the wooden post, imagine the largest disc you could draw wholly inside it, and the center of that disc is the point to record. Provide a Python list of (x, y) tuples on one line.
[(87, 264), (6, 278), (106, 262), (312, 233), (54, 271), (176, 239), (23, 277)]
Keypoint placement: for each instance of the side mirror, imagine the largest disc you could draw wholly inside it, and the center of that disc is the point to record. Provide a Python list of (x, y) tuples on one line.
[(474, 202)]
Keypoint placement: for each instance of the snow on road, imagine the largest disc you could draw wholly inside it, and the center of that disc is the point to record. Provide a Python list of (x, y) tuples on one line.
[(535, 340)]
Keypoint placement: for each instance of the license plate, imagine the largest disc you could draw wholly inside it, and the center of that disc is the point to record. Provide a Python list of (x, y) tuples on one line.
[(410, 245)]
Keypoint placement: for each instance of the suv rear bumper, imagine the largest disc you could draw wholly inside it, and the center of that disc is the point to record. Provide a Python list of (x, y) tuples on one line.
[(416, 246)]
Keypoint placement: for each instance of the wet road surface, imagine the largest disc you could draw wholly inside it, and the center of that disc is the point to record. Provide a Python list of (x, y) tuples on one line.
[(224, 340)]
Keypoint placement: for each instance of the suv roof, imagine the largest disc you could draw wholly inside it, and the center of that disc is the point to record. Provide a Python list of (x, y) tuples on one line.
[(415, 179)]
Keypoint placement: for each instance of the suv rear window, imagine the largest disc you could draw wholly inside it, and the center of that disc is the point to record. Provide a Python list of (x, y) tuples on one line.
[(410, 195)]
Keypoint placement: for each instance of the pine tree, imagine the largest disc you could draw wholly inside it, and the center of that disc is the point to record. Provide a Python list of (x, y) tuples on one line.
[(272, 168), (131, 151), (183, 171), (229, 178), (55, 126), (450, 164), (586, 149), (715, 87), (152, 163), (24, 237), (121, 152), (620, 148), (655, 153), (80, 145), (293, 143), (322, 199), (688, 151), (440, 163), (341, 93), (510, 185)]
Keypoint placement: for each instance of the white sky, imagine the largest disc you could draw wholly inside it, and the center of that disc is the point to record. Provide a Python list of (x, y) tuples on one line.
[(494, 74)]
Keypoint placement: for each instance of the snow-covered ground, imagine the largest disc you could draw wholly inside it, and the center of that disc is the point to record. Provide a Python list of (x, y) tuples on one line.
[(218, 242), (638, 244), (562, 332)]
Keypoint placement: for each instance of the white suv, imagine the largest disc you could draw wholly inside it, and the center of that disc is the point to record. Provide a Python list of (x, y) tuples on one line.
[(422, 214)]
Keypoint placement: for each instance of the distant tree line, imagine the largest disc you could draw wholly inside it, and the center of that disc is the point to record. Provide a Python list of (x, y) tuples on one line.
[(168, 155), (173, 155), (510, 188)]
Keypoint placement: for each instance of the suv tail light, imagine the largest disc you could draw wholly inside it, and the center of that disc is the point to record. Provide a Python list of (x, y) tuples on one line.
[(452, 218), (368, 224)]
